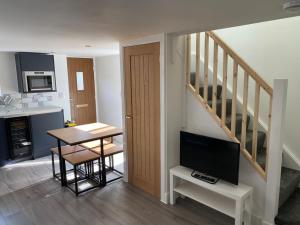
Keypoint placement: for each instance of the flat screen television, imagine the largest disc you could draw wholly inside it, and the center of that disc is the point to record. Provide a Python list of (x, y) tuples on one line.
[(211, 156)]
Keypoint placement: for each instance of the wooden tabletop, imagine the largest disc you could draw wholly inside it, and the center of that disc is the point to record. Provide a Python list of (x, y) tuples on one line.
[(85, 133)]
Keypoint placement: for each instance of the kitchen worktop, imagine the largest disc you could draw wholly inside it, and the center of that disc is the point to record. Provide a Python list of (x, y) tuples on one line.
[(10, 113)]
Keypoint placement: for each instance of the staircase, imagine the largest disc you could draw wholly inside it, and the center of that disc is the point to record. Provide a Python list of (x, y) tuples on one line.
[(261, 136), (289, 198), (234, 115)]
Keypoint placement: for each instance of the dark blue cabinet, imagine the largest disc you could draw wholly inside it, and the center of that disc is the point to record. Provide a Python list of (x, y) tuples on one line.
[(35, 61), (3, 143), (40, 124), (26, 61)]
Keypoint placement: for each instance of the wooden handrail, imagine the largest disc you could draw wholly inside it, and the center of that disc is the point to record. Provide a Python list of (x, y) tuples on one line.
[(224, 88), (197, 78), (252, 73), (215, 79), (202, 97), (234, 98), (188, 59), (206, 67)]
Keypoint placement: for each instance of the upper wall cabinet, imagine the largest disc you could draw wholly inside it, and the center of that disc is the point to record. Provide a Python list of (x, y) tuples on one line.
[(36, 72), (34, 61)]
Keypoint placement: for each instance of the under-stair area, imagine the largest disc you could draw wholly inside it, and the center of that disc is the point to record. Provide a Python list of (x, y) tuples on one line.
[(289, 198), (261, 136), (232, 114)]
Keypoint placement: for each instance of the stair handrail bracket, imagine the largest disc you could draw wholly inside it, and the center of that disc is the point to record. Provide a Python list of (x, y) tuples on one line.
[(258, 146)]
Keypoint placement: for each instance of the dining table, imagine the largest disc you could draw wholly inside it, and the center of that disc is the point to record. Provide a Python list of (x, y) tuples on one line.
[(82, 134)]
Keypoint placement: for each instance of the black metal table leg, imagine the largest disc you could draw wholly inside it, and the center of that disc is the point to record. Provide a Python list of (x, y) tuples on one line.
[(53, 164), (61, 164), (103, 172), (76, 180)]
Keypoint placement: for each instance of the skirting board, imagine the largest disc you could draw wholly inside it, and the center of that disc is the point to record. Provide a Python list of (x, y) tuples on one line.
[(255, 219), (165, 198), (267, 223), (289, 159)]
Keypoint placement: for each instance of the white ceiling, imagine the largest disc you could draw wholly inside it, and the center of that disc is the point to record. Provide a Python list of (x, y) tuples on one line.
[(66, 26)]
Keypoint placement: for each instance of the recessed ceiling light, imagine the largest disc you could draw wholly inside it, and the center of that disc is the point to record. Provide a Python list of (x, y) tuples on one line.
[(292, 5), (88, 46)]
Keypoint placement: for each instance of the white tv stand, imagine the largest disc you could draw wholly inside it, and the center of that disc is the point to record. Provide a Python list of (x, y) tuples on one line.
[(234, 201)]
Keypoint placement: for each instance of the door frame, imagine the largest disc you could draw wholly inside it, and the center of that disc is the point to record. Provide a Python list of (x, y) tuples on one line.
[(95, 83), (161, 38)]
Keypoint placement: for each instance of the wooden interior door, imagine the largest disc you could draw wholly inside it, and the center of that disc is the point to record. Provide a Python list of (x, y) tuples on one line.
[(82, 90), (142, 94)]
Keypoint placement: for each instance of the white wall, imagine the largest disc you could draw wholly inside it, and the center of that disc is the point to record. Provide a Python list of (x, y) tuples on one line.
[(9, 85), (109, 96), (62, 82), (273, 50), (8, 73), (174, 100)]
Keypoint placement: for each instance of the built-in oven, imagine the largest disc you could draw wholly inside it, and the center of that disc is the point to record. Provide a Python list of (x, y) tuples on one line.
[(39, 81)]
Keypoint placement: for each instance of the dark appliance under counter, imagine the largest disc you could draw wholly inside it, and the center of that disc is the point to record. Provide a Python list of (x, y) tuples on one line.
[(19, 138), (23, 138)]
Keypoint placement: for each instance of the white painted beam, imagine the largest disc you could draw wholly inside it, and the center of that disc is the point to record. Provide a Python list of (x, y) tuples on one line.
[(275, 150)]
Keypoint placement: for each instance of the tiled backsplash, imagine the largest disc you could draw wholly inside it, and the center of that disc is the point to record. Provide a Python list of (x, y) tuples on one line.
[(33, 100)]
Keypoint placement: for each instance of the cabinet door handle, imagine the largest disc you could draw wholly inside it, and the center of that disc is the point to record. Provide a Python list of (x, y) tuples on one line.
[(128, 117)]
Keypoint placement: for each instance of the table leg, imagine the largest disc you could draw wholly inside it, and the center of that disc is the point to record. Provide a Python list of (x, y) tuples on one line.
[(61, 164), (103, 163)]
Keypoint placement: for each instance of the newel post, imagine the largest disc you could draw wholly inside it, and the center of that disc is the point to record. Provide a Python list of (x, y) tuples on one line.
[(275, 150)]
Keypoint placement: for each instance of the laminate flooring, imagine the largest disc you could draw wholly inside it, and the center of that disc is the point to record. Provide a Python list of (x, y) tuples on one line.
[(30, 196), (119, 203), (16, 176)]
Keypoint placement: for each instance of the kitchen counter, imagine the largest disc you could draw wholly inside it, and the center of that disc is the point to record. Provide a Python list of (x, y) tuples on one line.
[(5, 113)]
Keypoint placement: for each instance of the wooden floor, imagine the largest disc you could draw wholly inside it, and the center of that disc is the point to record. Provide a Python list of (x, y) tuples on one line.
[(29, 196), (24, 174), (118, 203)]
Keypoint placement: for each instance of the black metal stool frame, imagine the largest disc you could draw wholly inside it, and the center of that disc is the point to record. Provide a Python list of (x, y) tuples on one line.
[(90, 174)]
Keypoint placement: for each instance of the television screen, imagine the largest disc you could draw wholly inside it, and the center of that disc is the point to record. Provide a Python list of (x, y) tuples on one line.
[(214, 157)]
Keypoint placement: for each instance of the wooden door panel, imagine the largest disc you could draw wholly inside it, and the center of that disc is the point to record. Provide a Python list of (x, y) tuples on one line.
[(83, 105), (142, 86)]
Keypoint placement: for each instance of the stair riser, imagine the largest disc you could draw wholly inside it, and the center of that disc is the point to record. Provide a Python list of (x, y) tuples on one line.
[(260, 143), (210, 92), (238, 127), (228, 108)]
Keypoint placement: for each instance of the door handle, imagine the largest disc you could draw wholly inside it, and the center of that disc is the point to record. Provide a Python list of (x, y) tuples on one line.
[(128, 117), (82, 106)]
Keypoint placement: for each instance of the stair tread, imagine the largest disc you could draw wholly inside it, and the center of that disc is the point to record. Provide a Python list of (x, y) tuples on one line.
[(289, 181), (219, 101), (288, 213)]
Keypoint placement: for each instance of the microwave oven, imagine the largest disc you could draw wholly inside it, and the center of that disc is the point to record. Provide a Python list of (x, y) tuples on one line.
[(39, 81)]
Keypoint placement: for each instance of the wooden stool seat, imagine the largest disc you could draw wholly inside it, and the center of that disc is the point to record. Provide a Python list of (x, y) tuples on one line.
[(67, 149), (109, 149), (81, 157), (94, 144)]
